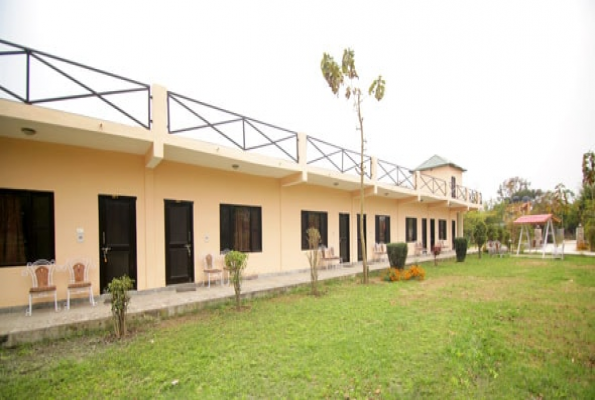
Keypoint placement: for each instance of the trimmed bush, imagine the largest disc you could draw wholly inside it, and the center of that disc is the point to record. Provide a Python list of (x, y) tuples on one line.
[(461, 248), (397, 254)]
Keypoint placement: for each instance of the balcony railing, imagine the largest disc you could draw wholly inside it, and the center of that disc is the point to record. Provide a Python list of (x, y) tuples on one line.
[(35, 77), (433, 185), (395, 174), (217, 125), (474, 197), (459, 192), (330, 156)]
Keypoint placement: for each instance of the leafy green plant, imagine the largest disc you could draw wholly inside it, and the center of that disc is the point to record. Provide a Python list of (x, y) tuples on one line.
[(480, 235), (120, 298), (313, 257), (461, 248), (397, 254), (236, 262)]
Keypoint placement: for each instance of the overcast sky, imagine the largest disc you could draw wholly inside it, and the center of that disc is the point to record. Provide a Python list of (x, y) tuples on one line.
[(501, 88)]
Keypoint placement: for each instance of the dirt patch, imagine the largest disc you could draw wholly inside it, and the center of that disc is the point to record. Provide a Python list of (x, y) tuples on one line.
[(456, 287), (438, 283), (527, 262)]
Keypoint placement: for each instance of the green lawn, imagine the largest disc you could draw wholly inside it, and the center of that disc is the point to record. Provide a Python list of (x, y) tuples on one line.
[(490, 328)]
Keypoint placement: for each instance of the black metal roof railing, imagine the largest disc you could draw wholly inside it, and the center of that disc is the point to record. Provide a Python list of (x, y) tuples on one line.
[(246, 133), (432, 184), (341, 159), (225, 124), (399, 176), (60, 66)]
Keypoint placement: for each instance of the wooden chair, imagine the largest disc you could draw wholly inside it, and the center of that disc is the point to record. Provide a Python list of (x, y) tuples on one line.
[(210, 270), (42, 276), (78, 269)]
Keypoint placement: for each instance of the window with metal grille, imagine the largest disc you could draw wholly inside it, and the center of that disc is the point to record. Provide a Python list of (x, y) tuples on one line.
[(26, 226), (314, 219), (240, 228), (411, 229)]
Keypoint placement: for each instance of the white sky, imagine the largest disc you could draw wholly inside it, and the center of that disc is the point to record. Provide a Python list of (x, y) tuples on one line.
[(502, 88)]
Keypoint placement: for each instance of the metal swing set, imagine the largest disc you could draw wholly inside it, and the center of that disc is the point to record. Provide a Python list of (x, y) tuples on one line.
[(539, 220)]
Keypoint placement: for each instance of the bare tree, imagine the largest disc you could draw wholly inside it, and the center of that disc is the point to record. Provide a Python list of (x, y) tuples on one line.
[(336, 77)]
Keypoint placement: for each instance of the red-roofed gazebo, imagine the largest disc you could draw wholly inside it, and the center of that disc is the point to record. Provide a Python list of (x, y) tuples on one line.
[(539, 219)]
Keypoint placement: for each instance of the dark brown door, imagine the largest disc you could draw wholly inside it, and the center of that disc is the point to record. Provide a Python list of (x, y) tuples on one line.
[(117, 238), (424, 233), (344, 238), (432, 233), (359, 241), (179, 239)]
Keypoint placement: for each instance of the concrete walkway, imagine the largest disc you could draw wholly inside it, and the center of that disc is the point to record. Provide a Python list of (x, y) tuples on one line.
[(45, 323)]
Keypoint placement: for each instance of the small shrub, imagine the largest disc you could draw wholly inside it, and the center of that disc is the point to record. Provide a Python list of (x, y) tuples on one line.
[(582, 246), (461, 248), (118, 289), (436, 250), (313, 257), (397, 254), (236, 261)]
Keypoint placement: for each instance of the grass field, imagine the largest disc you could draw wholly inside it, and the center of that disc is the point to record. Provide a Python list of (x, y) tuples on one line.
[(491, 328)]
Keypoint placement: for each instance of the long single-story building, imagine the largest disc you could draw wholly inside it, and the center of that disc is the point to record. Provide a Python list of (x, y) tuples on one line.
[(152, 197)]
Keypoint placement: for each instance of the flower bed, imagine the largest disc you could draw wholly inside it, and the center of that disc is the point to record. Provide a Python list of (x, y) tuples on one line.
[(395, 274)]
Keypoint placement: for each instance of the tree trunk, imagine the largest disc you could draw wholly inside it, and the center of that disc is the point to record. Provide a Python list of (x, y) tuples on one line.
[(237, 288), (361, 192)]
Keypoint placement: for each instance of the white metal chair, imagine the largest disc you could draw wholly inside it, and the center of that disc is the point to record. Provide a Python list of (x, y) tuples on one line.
[(42, 276), (420, 250), (211, 271), (492, 250), (78, 268), (333, 260), (380, 252)]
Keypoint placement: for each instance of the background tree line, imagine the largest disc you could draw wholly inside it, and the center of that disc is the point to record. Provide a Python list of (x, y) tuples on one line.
[(516, 198)]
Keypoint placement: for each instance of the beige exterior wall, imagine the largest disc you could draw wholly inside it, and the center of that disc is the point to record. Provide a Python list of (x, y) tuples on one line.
[(445, 173), (79, 158), (77, 176)]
